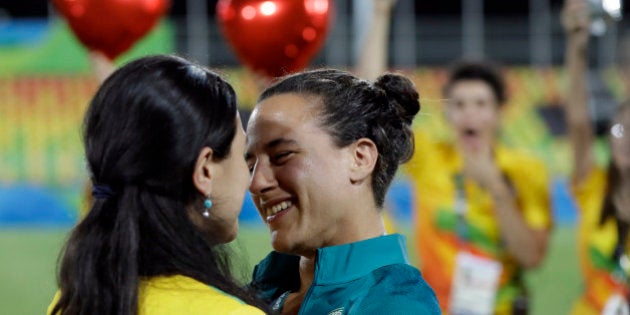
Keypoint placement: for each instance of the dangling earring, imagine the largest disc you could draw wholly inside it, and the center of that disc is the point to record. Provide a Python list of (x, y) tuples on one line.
[(207, 204)]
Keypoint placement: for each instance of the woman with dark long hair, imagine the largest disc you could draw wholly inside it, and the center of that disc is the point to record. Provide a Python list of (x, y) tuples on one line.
[(165, 150), (602, 192)]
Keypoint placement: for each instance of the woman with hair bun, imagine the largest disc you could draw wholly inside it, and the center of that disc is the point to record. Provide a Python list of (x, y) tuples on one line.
[(323, 147), (165, 150)]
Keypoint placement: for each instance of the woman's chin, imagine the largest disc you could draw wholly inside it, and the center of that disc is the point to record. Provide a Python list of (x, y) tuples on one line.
[(232, 236), (282, 244), (224, 236)]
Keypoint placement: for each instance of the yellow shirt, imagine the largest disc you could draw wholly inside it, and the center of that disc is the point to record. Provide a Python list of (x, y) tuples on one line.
[(596, 245), (183, 295), (432, 170)]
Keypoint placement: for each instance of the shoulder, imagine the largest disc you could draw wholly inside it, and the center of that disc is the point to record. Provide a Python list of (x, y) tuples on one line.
[(401, 277), (400, 289), (183, 295), (590, 191), (519, 160), (53, 302), (596, 178), (523, 169), (430, 155)]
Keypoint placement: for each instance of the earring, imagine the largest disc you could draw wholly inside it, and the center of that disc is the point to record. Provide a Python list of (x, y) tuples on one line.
[(207, 204)]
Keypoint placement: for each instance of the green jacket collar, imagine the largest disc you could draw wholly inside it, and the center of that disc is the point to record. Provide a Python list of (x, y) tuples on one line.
[(347, 262), (278, 272)]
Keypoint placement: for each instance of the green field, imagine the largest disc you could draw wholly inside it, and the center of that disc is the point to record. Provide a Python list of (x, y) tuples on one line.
[(28, 260)]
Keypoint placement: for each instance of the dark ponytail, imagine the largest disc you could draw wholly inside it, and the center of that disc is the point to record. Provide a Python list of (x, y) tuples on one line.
[(84, 285), (143, 131)]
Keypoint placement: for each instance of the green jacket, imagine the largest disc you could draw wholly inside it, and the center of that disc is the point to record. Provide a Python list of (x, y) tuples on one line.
[(367, 277)]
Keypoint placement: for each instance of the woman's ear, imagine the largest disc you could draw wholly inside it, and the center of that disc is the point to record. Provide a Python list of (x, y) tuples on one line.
[(364, 155), (202, 174)]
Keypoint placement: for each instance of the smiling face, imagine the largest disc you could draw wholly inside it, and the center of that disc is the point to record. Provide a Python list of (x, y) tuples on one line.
[(473, 112), (299, 177)]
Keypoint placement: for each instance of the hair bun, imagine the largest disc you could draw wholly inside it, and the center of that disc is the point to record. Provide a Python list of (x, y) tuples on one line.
[(401, 93)]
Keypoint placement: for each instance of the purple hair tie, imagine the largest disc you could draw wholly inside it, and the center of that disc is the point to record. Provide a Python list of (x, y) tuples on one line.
[(102, 191)]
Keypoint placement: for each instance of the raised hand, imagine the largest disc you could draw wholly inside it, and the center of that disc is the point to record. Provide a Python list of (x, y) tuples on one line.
[(480, 166), (576, 20), (384, 4)]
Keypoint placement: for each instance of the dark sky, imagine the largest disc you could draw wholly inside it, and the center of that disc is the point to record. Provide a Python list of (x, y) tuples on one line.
[(38, 8)]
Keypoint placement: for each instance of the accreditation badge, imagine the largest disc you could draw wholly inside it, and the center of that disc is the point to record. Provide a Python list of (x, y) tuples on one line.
[(475, 285), (616, 305)]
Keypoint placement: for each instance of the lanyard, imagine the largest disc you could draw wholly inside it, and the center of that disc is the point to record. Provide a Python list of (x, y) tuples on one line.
[(462, 228), (461, 207)]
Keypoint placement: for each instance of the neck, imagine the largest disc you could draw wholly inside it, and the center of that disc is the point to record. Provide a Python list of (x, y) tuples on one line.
[(307, 272), (359, 227), (355, 228)]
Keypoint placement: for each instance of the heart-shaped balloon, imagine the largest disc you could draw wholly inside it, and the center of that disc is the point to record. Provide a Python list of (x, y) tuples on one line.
[(274, 37), (111, 26)]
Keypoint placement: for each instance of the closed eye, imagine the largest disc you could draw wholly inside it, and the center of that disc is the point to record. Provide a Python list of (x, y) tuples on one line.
[(251, 162), (282, 157)]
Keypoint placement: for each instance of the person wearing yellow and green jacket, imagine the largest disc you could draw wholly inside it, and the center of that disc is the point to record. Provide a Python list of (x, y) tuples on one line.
[(602, 193), (482, 213)]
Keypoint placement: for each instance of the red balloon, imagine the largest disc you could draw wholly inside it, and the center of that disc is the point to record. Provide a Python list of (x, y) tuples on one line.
[(274, 37), (111, 26)]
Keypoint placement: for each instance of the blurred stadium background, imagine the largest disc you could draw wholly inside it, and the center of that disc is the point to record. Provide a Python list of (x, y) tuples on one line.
[(46, 81)]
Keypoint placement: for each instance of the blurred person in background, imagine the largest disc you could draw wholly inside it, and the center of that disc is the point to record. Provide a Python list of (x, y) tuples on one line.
[(602, 192), (165, 151), (482, 210), (323, 147)]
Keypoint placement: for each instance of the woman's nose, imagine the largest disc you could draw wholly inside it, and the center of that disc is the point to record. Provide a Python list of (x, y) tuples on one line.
[(262, 179)]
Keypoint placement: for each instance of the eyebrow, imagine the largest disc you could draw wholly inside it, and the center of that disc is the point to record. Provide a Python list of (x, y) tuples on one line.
[(272, 144)]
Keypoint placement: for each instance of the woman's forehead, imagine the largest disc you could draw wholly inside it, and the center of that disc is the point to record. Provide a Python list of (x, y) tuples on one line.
[(286, 108), (281, 118)]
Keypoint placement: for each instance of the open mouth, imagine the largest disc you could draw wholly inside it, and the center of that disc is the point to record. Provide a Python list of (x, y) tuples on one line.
[(470, 137), (470, 132)]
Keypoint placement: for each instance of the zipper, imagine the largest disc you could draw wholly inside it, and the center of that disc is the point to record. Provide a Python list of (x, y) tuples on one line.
[(310, 289)]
